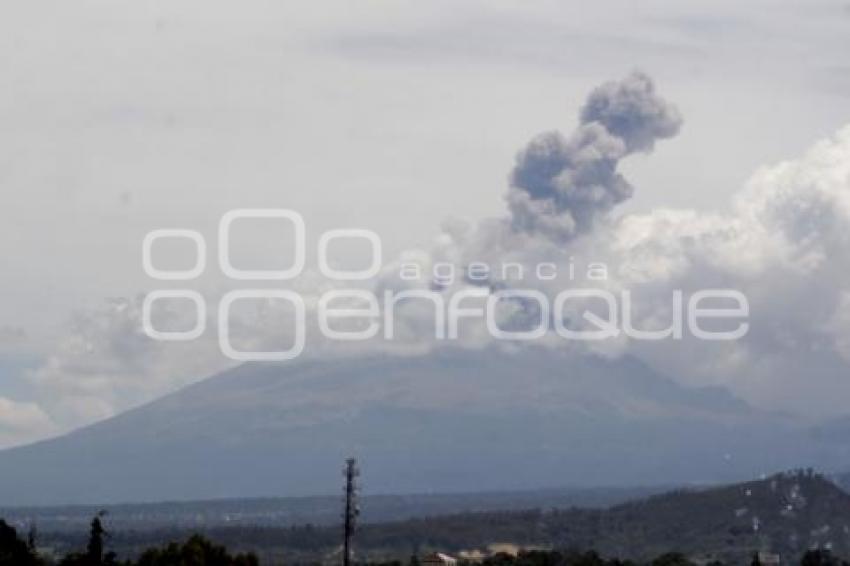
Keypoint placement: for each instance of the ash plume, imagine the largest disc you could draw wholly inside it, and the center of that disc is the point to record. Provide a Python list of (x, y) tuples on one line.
[(561, 185)]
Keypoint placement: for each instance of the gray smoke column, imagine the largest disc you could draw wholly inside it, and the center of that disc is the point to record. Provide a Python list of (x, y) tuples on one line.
[(561, 185)]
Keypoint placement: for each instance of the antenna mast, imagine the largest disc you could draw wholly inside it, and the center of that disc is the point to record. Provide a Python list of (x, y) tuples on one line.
[(352, 509)]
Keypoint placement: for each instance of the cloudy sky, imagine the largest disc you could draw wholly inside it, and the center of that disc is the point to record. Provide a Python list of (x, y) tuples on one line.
[(120, 117)]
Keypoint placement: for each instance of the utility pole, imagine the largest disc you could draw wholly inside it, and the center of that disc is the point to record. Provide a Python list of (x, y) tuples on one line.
[(352, 509)]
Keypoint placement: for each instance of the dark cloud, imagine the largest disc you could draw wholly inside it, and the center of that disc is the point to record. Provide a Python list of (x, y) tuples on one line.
[(561, 185), (630, 110)]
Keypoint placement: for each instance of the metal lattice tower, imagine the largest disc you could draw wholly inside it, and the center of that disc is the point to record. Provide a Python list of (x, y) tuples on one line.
[(352, 509)]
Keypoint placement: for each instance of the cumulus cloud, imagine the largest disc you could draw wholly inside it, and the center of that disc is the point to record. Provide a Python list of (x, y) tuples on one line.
[(104, 363), (23, 422), (784, 244)]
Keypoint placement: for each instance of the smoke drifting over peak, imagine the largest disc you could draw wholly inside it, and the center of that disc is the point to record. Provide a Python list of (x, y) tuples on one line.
[(561, 185), (783, 243)]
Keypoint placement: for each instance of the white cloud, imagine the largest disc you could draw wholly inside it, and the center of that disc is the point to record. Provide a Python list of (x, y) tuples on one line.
[(23, 422), (785, 244), (104, 362)]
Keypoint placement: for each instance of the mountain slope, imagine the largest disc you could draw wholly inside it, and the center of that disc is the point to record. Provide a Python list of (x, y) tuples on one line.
[(452, 420)]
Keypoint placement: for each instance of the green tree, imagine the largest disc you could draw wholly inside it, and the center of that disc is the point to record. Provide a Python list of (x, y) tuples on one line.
[(94, 555), (820, 558), (14, 551), (197, 551), (672, 559), (94, 549)]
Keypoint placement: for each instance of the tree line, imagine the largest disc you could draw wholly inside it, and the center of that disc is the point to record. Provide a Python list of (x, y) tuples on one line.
[(195, 551), (200, 551)]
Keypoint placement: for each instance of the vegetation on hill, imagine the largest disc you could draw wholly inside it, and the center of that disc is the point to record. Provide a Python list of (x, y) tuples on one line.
[(196, 551), (799, 515)]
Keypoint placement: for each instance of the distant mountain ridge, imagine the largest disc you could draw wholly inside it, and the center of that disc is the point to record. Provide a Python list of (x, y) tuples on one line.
[(315, 510), (786, 513), (454, 420)]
